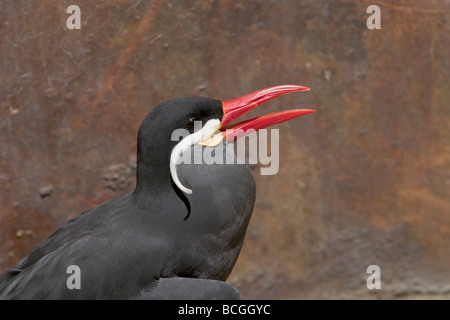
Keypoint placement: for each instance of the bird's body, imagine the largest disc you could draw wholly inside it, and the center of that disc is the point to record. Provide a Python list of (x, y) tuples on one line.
[(130, 243), (155, 242)]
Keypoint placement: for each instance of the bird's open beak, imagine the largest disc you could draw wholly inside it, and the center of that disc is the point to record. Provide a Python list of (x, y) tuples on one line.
[(233, 109)]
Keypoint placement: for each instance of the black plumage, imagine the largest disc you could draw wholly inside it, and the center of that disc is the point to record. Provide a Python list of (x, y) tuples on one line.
[(151, 242), (179, 233)]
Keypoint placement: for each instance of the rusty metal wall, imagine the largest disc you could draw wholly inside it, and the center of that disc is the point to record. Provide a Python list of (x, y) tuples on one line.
[(364, 181)]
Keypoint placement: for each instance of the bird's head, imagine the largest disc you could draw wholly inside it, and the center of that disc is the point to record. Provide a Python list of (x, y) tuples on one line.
[(206, 122)]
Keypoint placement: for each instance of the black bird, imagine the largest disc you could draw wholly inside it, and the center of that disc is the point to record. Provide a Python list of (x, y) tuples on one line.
[(179, 233)]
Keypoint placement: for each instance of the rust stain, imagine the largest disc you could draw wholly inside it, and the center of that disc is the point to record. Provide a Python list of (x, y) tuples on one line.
[(155, 8), (365, 180)]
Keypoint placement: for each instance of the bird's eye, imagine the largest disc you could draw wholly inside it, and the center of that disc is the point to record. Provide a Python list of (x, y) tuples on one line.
[(190, 123)]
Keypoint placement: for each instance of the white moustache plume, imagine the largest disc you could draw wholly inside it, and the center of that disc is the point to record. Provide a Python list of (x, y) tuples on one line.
[(205, 132)]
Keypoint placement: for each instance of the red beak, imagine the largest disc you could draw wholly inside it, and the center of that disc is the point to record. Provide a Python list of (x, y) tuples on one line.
[(233, 109)]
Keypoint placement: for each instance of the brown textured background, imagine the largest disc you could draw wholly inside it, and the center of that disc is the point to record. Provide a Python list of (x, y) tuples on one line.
[(365, 180)]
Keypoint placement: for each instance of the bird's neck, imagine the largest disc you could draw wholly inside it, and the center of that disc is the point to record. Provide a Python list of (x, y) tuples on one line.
[(154, 179), (153, 168)]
